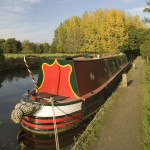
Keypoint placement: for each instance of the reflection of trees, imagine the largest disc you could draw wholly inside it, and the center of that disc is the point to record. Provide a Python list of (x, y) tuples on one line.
[(20, 73)]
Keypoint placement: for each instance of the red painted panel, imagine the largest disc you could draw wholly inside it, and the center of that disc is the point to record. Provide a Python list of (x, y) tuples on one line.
[(51, 120), (50, 126), (56, 80)]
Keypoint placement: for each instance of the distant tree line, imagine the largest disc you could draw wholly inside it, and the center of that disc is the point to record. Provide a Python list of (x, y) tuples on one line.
[(12, 45)]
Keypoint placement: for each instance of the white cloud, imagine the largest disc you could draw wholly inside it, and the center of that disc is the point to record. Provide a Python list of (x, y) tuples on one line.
[(64, 1), (32, 1), (28, 31), (128, 1), (15, 9), (136, 11), (15, 21)]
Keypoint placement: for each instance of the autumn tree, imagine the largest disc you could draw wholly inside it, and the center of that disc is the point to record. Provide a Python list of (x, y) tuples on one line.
[(61, 37), (74, 37), (53, 47), (88, 28), (107, 31)]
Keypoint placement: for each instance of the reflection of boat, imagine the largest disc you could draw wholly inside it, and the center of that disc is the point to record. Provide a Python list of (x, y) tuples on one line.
[(40, 142), (78, 86)]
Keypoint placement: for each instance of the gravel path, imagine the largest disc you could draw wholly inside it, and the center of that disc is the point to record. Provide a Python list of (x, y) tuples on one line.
[(122, 129)]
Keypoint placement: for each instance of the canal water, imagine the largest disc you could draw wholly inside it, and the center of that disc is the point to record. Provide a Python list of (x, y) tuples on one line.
[(12, 85)]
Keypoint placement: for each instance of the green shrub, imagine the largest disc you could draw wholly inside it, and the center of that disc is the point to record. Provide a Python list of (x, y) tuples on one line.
[(146, 105)]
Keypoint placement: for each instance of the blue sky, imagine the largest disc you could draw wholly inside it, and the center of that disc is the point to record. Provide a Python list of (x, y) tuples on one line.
[(36, 20)]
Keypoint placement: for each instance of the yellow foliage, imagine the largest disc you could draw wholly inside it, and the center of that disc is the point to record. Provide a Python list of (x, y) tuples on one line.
[(98, 31)]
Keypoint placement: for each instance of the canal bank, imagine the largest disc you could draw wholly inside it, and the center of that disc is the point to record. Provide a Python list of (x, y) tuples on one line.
[(18, 63), (118, 127)]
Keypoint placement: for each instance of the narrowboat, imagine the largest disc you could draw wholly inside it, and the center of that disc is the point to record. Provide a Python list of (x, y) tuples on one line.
[(78, 87)]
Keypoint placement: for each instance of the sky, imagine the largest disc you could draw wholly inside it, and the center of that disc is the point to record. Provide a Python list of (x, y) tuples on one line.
[(36, 20)]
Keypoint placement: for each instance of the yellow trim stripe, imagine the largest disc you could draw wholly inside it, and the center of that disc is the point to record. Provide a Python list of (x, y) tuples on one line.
[(60, 66)]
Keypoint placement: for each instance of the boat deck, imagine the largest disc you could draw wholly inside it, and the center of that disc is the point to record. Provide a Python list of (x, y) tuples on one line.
[(44, 98)]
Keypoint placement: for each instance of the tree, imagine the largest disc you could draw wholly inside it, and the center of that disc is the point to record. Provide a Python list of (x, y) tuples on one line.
[(145, 46), (28, 47), (46, 47), (147, 10), (1, 51), (11, 45), (53, 47), (2, 41), (135, 39), (74, 35), (1, 56), (62, 36), (113, 30), (107, 31), (38, 49)]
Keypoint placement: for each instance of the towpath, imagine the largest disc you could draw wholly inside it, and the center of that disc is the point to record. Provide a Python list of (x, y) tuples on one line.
[(122, 129)]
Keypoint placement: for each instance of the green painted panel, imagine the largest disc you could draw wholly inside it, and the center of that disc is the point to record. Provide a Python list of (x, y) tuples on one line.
[(62, 62)]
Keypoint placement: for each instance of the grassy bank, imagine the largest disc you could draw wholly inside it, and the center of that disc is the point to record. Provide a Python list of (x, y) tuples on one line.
[(15, 61), (146, 104), (38, 55), (89, 134)]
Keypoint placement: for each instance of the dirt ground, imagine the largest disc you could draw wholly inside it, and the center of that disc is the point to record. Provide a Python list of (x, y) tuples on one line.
[(122, 129)]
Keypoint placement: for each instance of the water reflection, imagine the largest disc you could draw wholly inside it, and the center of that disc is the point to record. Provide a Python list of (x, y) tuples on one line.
[(13, 85), (28, 141), (9, 76)]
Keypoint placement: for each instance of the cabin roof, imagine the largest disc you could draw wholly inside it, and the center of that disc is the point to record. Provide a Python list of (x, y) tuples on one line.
[(86, 57)]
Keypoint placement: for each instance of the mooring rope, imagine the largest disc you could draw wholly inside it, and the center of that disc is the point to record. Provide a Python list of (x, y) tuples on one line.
[(54, 121), (30, 71)]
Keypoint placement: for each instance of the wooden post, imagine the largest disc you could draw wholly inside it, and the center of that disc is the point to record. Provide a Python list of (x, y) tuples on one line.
[(124, 80), (134, 66)]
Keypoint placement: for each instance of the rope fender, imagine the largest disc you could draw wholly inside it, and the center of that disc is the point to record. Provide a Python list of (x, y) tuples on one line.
[(23, 109)]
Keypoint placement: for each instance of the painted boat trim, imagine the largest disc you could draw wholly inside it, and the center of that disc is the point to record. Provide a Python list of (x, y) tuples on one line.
[(46, 111)]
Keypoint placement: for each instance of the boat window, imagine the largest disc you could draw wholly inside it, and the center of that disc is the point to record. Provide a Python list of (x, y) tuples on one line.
[(108, 68), (118, 66), (92, 76), (114, 66), (121, 61)]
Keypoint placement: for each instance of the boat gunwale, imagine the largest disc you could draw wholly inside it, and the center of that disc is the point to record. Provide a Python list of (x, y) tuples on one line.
[(97, 90), (58, 103)]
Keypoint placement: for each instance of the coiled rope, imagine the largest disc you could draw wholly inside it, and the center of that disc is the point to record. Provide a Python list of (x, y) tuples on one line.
[(23, 109), (30, 71)]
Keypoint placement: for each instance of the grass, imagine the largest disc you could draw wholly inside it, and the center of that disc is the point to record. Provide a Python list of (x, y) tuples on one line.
[(38, 55), (146, 104)]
